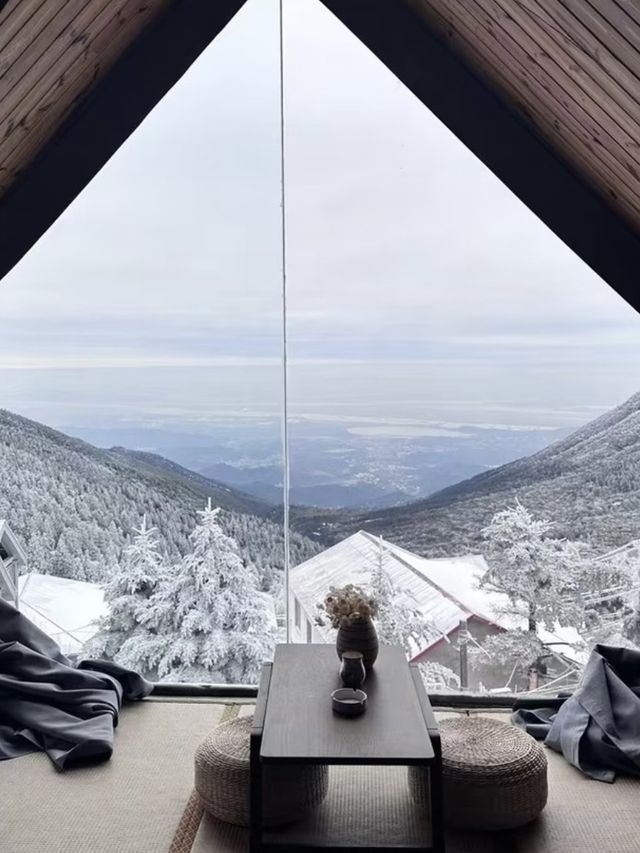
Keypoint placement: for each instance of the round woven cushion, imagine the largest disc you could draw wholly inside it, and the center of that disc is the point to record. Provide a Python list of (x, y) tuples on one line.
[(494, 775), (222, 779)]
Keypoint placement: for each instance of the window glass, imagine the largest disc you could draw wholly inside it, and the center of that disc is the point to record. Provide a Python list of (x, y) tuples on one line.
[(462, 390), (438, 331), (141, 385)]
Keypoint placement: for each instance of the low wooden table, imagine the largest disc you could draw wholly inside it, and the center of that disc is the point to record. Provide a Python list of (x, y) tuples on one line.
[(294, 724)]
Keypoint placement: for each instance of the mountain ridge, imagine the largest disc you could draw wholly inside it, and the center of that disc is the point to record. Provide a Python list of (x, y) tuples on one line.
[(74, 505), (587, 482), (155, 463)]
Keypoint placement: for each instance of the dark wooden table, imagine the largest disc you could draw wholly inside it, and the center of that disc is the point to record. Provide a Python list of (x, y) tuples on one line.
[(294, 724)]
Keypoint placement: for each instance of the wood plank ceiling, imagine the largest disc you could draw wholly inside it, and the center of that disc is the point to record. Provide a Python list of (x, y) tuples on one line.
[(52, 53), (570, 68)]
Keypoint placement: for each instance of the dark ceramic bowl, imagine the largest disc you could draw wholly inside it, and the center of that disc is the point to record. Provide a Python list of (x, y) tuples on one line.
[(349, 702)]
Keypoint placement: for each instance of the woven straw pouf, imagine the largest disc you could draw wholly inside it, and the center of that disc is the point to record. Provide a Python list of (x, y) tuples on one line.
[(222, 779), (494, 775)]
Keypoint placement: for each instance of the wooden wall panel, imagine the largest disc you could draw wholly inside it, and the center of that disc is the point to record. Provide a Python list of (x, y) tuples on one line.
[(15, 16), (571, 68), (51, 55), (631, 7), (583, 66), (28, 56)]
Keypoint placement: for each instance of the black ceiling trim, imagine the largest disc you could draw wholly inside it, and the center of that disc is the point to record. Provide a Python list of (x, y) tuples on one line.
[(422, 60), (108, 116)]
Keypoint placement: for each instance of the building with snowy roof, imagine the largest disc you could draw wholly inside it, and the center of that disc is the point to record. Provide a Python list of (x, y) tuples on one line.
[(445, 591)]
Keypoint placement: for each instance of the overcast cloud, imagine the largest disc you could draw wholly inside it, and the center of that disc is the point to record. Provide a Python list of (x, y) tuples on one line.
[(402, 246)]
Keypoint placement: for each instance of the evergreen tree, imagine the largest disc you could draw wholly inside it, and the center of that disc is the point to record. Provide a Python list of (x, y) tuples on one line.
[(208, 620), (399, 621), (613, 610), (130, 585), (73, 506), (549, 582)]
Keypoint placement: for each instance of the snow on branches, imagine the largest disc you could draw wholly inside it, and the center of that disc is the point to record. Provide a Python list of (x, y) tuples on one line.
[(399, 619), (548, 582), (129, 587), (513, 648), (206, 619)]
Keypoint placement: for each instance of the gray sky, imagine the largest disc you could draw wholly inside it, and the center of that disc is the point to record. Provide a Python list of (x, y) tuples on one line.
[(402, 246)]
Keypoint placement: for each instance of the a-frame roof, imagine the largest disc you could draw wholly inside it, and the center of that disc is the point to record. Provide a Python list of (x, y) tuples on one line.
[(545, 92), (476, 65)]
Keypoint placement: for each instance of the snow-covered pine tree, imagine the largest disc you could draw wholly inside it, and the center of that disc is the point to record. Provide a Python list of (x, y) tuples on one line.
[(130, 585), (400, 622), (546, 580), (208, 620)]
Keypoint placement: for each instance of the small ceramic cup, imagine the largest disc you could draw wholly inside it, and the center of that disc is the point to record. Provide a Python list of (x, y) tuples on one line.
[(352, 671), (349, 702)]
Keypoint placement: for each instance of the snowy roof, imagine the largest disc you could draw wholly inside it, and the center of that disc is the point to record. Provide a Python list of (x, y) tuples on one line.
[(446, 590), (66, 610), (424, 583)]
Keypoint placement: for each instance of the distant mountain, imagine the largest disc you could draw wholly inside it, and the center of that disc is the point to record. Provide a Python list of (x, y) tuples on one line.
[(346, 495), (221, 494), (265, 483), (333, 465), (587, 483), (74, 505)]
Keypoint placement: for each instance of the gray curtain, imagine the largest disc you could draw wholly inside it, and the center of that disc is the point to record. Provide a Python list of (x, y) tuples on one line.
[(597, 729), (47, 704)]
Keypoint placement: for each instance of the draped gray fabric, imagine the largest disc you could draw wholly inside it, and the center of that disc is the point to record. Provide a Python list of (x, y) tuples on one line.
[(47, 704), (597, 729)]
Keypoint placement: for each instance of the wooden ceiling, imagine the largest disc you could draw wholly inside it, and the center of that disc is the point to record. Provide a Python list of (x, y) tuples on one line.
[(545, 92), (570, 68), (52, 52)]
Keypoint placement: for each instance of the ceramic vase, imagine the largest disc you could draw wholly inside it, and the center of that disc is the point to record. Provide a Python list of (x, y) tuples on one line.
[(358, 636)]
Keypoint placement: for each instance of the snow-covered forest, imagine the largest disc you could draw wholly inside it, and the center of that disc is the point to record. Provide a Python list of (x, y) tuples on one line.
[(74, 507), (193, 593), (587, 483), (205, 617)]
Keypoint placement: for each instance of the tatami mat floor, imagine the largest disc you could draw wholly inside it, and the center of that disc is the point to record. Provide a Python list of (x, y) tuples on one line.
[(134, 803)]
